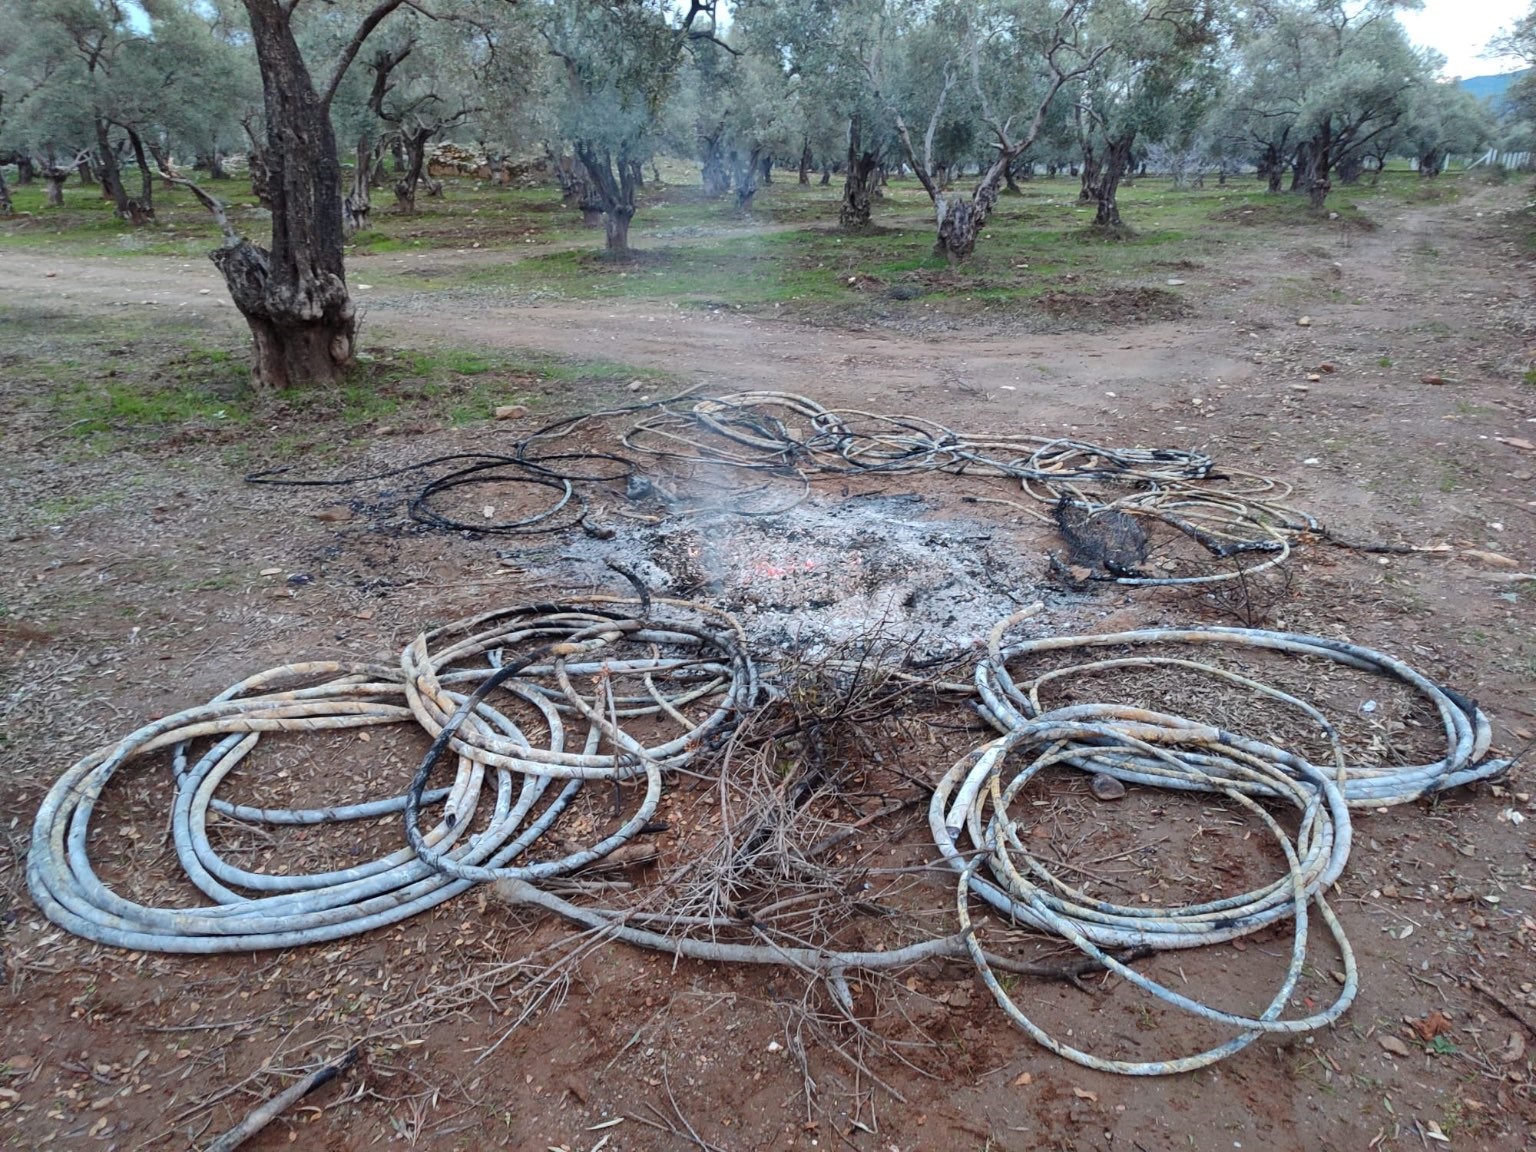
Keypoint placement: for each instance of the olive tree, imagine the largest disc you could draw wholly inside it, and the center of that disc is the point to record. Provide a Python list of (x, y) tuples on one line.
[(1010, 59), (1153, 79), (1444, 118), (836, 52), (1320, 82), (618, 62)]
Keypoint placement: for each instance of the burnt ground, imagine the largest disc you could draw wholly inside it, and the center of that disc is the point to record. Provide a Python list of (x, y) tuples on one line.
[(146, 579)]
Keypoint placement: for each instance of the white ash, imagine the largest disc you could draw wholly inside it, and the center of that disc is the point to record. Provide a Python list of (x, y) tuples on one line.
[(827, 571)]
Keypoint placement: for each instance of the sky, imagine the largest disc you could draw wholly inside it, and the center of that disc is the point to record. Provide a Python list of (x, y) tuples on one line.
[(1460, 29)]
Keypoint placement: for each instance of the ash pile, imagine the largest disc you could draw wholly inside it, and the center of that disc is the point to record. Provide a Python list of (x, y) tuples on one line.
[(826, 571)]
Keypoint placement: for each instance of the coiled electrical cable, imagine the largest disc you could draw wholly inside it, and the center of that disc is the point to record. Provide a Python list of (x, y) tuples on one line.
[(975, 798), (676, 663), (1468, 733)]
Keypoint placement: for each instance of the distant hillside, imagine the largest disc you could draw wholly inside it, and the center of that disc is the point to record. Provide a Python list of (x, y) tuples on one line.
[(1491, 88)]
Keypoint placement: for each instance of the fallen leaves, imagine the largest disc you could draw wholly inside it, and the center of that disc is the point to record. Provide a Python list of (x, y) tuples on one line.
[(1517, 442), (1437, 1023)]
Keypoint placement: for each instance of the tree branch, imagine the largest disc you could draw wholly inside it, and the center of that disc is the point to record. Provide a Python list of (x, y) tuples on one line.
[(232, 238), (349, 53), (384, 63)]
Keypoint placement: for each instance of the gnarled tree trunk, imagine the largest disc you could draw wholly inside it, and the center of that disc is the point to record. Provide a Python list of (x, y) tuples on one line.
[(1112, 169), (142, 210), (357, 205), (1314, 167), (162, 162), (111, 174), (613, 187), (1090, 173), (806, 160), (54, 176), (961, 219), (1272, 167), (256, 160), (294, 298), (860, 180), (413, 142), (715, 176), (746, 180), (6, 207), (211, 163), (576, 189), (26, 170)]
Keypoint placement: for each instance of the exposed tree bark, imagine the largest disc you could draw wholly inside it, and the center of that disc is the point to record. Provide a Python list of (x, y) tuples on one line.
[(55, 173), (26, 171), (6, 207), (413, 143), (746, 179), (1300, 161), (86, 171), (576, 189), (162, 160), (357, 205), (766, 164), (211, 163), (1431, 161), (261, 177), (294, 298), (1011, 181), (111, 173), (1089, 174), (613, 187), (715, 175), (1112, 169), (1272, 166), (860, 179), (142, 210), (1316, 167), (806, 161)]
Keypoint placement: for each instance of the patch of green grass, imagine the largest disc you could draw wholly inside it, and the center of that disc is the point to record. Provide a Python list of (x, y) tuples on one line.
[(103, 384), (116, 390), (1035, 245), (85, 225)]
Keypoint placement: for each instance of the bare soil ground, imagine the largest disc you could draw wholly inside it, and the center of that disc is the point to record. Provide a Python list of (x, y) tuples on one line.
[(134, 586)]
